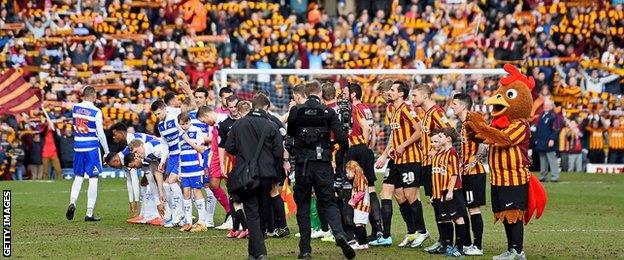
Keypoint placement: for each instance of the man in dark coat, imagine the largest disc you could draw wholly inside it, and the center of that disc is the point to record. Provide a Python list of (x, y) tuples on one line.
[(546, 137), (242, 142)]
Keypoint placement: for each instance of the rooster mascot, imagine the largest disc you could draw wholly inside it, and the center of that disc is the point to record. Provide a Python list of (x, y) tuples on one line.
[(516, 193)]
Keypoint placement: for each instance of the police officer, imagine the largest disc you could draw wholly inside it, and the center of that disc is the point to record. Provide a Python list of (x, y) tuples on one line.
[(310, 124)]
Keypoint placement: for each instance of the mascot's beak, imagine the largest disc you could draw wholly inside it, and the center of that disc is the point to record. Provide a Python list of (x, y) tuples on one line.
[(499, 104)]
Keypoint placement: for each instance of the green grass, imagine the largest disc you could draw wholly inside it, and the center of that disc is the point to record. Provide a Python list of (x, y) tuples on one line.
[(583, 219)]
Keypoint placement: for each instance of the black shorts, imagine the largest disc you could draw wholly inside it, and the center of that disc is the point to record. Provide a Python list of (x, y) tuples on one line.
[(438, 212), (509, 197), (425, 179), (474, 190), (403, 175), (456, 207), (365, 158), (449, 210)]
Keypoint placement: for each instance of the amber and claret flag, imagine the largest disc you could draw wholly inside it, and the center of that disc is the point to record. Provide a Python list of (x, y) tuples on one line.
[(289, 200), (17, 95)]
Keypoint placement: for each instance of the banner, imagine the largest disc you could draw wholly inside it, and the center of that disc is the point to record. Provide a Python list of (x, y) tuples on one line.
[(605, 168)]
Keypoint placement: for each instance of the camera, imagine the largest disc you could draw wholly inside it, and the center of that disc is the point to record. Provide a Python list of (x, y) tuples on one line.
[(289, 145), (343, 187), (344, 113)]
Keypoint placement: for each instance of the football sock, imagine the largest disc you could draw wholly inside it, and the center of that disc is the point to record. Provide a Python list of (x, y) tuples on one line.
[(142, 198), (211, 204), (507, 233), (136, 185), (151, 181), (278, 211), (467, 239), (375, 214), (91, 195), (386, 215), (168, 194), (460, 235), (517, 236), (222, 198), (188, 212), (240, 215), (129, 187), (417, 215), (75, 189), (200, 204), (407, 217), (477, 229), (235, 222), (150, 204), (442, 231), (177, 197), (360, 233), (448, 236)]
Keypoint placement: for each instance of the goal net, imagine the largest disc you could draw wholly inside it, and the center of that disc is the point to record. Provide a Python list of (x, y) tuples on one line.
[(278, 84)]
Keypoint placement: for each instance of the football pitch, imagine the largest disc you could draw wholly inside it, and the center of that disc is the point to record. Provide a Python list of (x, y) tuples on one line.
[(583, 220)]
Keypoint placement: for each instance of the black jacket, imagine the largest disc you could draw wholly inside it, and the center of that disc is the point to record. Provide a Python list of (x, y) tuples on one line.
[(329, 118), (243, 139)]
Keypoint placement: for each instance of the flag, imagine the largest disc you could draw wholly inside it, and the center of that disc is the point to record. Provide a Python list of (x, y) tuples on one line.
[(289, 200), (17, 95)]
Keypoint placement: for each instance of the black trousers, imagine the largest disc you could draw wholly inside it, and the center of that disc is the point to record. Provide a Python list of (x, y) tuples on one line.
[(596, 156), (320, 176), (254, 208)]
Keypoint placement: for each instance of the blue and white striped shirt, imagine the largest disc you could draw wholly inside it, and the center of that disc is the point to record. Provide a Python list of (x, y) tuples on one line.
[(88, 128), (169, 130), (145, 138), (190, 160), (156, 151), (204, 128)]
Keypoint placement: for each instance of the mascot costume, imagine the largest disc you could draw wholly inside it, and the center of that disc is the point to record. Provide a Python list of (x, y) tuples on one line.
[(516, 193)]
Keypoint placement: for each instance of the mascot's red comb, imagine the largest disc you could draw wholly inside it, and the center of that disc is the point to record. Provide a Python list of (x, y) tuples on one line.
[(516, 75)]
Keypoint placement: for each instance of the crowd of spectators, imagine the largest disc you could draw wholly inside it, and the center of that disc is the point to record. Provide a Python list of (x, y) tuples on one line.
[(130, 51)]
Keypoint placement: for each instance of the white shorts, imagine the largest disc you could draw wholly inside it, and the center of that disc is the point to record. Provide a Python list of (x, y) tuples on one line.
[(360, 217)]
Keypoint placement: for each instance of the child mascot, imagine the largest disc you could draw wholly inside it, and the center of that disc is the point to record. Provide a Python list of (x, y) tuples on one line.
[(516, 193)]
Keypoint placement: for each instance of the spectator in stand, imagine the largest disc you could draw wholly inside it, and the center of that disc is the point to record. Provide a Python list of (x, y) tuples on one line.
[(616, 142), (547, 135), (573, 148), (49, 154), (66, 142), (596, 83), (34, 158), (17, 156), (596, 133)]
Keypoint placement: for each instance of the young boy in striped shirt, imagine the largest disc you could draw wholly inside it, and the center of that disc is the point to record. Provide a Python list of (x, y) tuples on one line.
[(448, 199), (192, 141)]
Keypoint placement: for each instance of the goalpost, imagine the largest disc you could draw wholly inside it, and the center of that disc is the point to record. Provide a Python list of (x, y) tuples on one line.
[(278, 84)]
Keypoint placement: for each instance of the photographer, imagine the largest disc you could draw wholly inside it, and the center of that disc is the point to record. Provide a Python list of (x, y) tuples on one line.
[(359, 138), (310, 124)]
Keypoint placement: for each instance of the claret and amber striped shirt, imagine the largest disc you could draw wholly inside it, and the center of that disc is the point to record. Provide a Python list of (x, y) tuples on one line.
[(402, 121), (469, 151), (596, 138), (360, 184), (434, 118), (359, 112), (616, 138), (444, 165), (509, 166)]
